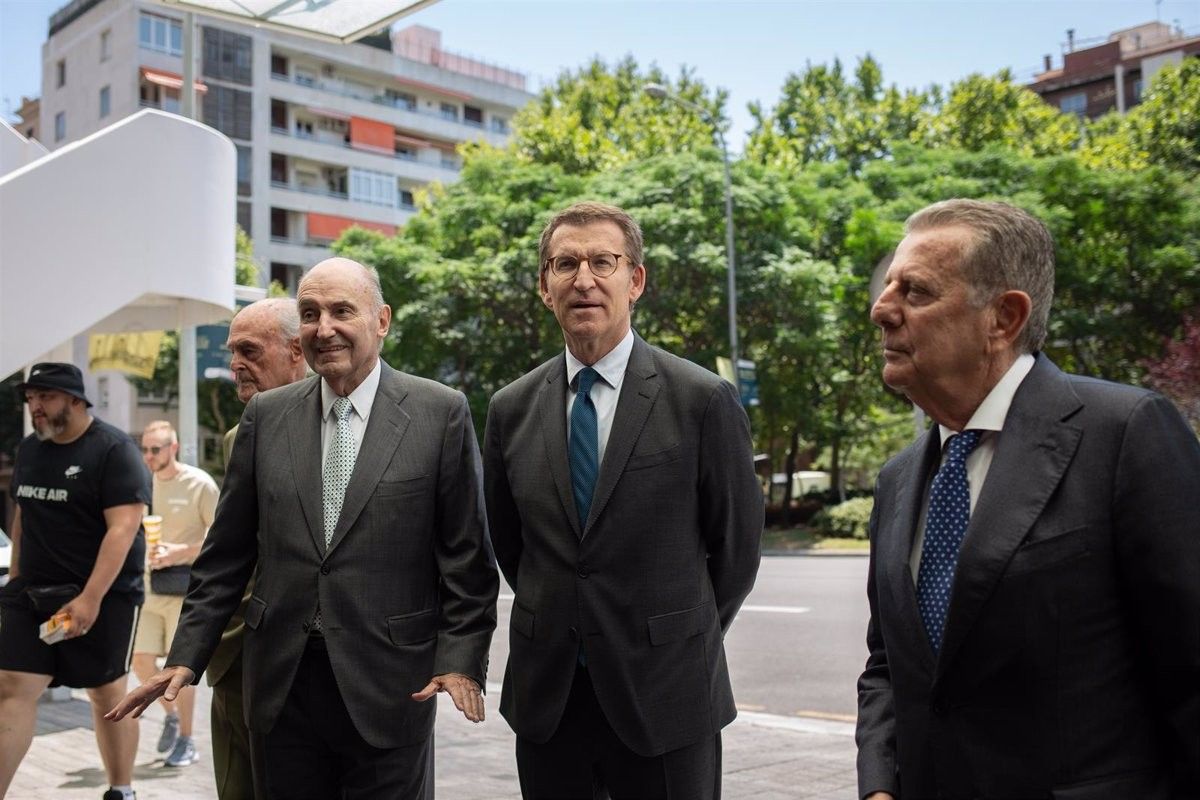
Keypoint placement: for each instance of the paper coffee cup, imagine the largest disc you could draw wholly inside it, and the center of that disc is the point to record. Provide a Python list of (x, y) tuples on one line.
[(153, 526)]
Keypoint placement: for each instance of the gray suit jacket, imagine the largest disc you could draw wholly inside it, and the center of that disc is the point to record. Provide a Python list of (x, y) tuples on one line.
[(408, 584), (651, 583), (1071, 660)]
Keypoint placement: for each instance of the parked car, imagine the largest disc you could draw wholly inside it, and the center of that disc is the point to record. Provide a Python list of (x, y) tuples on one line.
[(5, 557)]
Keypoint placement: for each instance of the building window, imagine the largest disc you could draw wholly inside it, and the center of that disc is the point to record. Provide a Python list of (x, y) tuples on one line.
[(243, 216), (279, 115), (60, 126), (499, 125), (228, 110), (160, 33), (279, 65), (473, 116), (407, 200), (60, 71), (449, 111), (105, 102), (279, 224), (400, 99), (105, 45), (376, 188), (1074, 104), (1137, 90), (227, 56), (243, 170)]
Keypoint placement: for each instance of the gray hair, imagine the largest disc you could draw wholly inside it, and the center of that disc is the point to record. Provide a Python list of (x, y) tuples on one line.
[(1010, 249), (585, 214)]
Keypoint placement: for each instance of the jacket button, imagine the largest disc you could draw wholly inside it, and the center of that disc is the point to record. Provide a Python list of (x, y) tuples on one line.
[(583, 573), (324, 569), (574, 633), (939, 708), (305, 626)]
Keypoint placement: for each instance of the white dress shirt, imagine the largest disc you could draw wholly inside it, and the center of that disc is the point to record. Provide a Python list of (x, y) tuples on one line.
[(362, 398), (989, 417), (606, 389)]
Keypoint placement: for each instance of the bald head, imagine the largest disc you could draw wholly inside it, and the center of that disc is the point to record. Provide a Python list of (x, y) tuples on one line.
[(343, 321), (264, 339)]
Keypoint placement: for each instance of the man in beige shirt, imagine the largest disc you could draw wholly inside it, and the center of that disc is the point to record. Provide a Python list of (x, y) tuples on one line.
[(186, 499)]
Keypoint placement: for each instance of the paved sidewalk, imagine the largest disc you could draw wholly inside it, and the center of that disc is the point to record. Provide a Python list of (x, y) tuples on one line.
[(766, 757)]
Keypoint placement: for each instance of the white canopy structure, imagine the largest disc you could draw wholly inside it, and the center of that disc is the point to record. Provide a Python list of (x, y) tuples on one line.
[(131, 228), (341, 21)]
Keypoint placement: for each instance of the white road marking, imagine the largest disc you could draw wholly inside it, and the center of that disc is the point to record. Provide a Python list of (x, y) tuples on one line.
[(506, 598), (778, 609)]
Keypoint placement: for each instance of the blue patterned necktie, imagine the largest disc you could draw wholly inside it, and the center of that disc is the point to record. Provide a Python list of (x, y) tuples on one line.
[(945, 525), (584, 445)]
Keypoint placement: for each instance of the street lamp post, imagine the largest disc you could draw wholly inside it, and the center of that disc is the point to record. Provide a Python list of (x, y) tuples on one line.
[(661, 92)]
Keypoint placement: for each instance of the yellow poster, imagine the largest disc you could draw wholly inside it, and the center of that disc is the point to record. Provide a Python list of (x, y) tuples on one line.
[(132, 353)]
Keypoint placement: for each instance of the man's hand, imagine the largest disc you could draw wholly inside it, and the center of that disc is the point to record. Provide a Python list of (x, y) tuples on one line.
[(463, 690), (169, 555), (83, 611), (166, 682)]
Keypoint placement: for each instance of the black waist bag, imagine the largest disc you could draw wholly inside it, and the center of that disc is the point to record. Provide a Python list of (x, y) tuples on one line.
[(46, 600), (171, 580)]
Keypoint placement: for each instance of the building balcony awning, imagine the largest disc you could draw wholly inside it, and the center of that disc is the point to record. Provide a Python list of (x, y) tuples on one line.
[(328, 112), (429, 87), (168, 79), (412, 140)]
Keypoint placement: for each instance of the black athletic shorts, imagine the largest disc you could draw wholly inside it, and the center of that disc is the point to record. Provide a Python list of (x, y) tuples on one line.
[(98, 657)]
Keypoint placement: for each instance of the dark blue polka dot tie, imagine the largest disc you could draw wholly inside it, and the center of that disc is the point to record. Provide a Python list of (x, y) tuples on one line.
[(945, 525), (584, 449)]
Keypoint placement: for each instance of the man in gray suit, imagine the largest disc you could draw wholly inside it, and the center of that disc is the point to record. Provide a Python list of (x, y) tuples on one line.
[(626, 517), (1034, 557), (375, 586)]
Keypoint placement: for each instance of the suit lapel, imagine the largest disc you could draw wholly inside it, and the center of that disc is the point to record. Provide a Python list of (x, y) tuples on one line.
[(552, 408), (638, 392), (901, 533), (381, 440), (304, 442), (1032, 453)]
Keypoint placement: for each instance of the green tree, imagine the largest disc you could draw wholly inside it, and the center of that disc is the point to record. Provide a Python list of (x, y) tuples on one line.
[(599, 117), (822, 116)]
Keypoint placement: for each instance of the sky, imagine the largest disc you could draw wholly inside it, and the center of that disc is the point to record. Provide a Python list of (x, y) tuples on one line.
[(747, 47)]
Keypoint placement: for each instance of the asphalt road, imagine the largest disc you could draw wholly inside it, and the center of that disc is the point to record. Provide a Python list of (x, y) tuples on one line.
[(797, 646)]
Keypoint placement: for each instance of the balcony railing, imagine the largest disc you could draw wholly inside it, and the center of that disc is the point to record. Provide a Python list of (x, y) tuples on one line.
[(377, 99), (294, 187), (445, 163)]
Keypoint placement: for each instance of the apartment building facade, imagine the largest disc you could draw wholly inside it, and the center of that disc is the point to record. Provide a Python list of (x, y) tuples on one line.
[(327, 135), (1112, 76)]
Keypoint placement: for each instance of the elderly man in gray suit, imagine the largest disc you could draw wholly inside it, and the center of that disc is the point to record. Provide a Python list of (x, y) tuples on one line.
[(626, 517), (1034, 557), (375, 586)]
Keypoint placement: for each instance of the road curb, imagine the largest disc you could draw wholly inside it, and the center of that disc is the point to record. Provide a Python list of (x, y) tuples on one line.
[(812, 551)]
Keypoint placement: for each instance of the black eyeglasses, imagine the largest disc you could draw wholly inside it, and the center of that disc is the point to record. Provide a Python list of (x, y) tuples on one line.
[(601, 264), (155, 450)]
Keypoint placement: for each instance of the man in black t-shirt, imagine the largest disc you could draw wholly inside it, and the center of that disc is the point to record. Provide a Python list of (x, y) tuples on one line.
[(81, 489)]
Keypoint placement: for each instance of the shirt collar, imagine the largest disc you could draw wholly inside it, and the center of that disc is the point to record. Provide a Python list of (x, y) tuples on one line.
[(361, 398), (993, 410), (611, 367)]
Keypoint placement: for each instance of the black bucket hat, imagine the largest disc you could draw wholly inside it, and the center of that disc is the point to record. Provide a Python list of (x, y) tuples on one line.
[(52, 375)]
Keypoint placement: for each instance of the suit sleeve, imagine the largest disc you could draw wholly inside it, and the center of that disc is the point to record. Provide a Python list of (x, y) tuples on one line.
[(731, 502), (464, 554), (875, 734), (1157, 535), (230, 551), (504, 521)]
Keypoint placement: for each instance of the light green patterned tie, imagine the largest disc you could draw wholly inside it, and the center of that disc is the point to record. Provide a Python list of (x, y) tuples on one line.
[(339, 464)]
